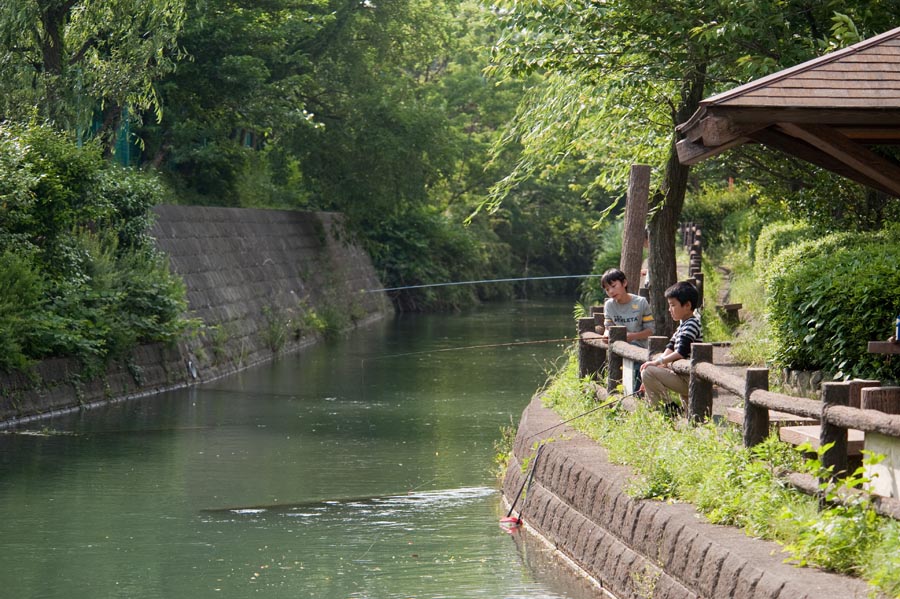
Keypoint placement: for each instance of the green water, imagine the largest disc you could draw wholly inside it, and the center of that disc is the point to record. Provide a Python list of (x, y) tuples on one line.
[(359, 468)]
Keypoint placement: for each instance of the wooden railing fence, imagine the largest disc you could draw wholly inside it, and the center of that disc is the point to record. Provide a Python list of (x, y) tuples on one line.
[(838, 410)]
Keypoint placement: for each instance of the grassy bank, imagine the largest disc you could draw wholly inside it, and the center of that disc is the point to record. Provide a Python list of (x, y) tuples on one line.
[(708, 467)]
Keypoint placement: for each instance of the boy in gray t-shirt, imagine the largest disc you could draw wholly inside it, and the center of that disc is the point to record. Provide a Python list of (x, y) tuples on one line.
[(625, 309)]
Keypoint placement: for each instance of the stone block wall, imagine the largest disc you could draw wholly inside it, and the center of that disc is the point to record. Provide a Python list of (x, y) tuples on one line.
[(642, 549), (250, 275)]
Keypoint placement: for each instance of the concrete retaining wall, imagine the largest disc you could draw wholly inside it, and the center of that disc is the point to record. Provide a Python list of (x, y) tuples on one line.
[(251, 275), (640, 549)]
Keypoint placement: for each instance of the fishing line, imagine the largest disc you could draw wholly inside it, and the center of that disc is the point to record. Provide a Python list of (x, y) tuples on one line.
[(489, 345), (478, 282)]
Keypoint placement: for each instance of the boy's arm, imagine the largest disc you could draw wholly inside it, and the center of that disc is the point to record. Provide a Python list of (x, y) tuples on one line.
[(667, 358), (688, 332), (663, 360), (642, 334), (648, 324), (607, 321)]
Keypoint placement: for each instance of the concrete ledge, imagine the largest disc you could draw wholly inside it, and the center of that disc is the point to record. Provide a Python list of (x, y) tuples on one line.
[(646, 549)]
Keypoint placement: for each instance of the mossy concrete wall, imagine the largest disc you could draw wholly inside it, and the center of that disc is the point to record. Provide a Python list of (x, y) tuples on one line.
[(253, 279), (642, 549)]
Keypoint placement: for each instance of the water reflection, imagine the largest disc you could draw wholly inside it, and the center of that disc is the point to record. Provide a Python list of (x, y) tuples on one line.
[(346, 470)]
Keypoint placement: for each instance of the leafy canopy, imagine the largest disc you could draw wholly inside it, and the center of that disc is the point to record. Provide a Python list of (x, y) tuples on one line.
[(69, 59)]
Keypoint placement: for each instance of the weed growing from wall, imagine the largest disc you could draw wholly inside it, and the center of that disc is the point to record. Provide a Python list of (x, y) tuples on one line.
[(275, 331)]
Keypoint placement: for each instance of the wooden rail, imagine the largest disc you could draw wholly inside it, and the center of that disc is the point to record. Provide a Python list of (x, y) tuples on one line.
[(835, 411)]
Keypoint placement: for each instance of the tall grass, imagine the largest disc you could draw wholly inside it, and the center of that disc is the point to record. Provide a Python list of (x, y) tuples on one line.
[(752, 341)]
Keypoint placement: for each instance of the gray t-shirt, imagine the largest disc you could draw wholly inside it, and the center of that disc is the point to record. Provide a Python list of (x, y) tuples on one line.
[(635, 316)]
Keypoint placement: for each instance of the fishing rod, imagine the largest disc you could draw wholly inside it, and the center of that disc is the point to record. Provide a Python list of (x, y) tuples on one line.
[(509, 520), (594, 409), (478, 282)]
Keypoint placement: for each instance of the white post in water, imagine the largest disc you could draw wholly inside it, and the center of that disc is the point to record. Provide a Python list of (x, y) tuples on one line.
[(635, 223)]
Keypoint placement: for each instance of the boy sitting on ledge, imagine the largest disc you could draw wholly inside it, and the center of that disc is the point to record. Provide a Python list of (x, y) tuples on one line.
[(657, 376)]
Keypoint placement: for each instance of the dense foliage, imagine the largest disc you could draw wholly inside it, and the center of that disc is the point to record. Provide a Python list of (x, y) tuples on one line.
[(627, 72), (78, 274), (87, 65), (828, 297), (377, 111), (728, 215)]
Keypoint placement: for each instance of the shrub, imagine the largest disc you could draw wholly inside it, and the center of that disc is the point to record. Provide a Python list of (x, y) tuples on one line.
[(828, 298), (774, 237), (21, 295), (81, 276)]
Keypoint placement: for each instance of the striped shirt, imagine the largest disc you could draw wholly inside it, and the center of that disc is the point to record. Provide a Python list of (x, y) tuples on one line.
[(687, 333)]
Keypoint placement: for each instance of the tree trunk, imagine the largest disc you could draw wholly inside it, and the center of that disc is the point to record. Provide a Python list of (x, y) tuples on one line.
[(665, 208), (51, 40)]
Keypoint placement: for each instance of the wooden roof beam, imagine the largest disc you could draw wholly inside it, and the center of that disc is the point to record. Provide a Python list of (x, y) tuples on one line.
[(692, 152), (859, 158), (791, 145)]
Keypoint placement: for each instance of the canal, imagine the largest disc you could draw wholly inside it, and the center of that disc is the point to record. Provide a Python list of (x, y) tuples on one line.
[(361, 467)]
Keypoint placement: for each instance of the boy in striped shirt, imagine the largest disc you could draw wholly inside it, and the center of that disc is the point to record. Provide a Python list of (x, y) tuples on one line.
[(657, 376)]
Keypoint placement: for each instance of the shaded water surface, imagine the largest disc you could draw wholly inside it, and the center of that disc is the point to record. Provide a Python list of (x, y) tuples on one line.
[(359, 468)]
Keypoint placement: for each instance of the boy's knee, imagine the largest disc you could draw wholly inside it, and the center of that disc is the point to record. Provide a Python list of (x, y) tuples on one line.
[(651, 372)]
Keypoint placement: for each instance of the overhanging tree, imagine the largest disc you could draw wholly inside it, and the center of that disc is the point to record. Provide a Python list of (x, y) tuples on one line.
[(69, 60), (621, 74)]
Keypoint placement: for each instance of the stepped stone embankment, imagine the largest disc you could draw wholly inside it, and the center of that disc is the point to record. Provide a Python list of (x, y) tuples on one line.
[(642, 549), (251, 276)]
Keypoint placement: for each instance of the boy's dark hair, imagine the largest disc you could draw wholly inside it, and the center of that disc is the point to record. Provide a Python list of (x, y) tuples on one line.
[(611, 276), (684, 292)]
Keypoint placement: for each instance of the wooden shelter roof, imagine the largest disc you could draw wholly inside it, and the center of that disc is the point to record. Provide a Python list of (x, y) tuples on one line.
[(829, 111)]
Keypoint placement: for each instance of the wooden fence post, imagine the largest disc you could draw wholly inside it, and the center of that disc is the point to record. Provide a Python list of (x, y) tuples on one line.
[(699, 408), (834, 394), (698, 277), (614, 362), (597, 313), (590, 357), (756, 418), (856, 387), (657, 345)]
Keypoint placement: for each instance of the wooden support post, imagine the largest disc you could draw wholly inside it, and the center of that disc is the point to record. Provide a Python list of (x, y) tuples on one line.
[(591, 358), (756, 419), (834, 394), (883, 399), (699, 408), (585, 325), (699, 278), (856, 387), (657, 345), (597, 313), (614, 362), (636, 203)]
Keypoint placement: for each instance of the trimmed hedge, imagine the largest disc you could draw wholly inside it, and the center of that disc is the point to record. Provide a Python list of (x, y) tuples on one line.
[(775, 237), (827, 298)]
